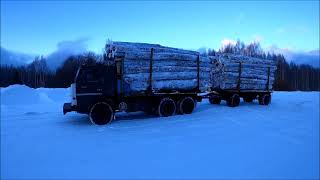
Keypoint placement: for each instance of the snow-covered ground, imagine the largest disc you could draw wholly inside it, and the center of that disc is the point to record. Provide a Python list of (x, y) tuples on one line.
[(250, 141)]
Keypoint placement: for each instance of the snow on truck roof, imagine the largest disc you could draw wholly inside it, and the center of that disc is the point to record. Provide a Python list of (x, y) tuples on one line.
[(127, 46)]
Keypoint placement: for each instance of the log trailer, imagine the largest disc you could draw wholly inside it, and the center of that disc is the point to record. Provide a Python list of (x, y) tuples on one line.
[(99, 91), (232, 96)]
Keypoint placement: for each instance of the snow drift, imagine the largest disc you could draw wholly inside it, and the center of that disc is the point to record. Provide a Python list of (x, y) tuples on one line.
[(21, 95), (248, 142)]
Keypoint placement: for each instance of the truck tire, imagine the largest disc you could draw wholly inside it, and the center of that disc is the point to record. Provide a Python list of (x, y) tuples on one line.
[(215, 99), (101, 113), (186, 105), (233, 100), (167, 107), (264, 99), (178, 105)]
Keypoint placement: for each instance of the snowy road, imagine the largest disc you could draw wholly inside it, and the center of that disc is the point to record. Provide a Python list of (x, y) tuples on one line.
[(216, 141)]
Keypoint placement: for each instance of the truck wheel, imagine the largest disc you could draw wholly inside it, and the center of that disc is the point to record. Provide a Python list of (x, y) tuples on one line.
[(101, 113), (233, 100), (186, 105), (215, 99), (167, 107), (265, 99)]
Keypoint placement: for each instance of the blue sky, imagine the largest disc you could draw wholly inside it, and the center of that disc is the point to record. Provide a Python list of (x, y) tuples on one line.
[(37, 27)]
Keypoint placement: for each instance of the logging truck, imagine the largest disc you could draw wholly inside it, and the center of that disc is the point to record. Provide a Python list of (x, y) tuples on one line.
[(151, 78)]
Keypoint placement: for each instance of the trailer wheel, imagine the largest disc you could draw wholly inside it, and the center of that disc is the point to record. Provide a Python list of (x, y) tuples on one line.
[(178, 111), (265, 99), (186, 105), (167, 107), (215, 99), (233, 100), (101, 113)]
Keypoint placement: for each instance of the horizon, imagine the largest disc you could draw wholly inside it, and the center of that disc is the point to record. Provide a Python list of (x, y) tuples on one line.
[(37, 28)]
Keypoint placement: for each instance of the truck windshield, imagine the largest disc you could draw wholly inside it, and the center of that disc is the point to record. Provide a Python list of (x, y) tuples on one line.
[(89, 76)]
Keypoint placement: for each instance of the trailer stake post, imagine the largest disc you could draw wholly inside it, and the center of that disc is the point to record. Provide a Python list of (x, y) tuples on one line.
[(267, 85), (198, 73), (239, 77), (150, 75)]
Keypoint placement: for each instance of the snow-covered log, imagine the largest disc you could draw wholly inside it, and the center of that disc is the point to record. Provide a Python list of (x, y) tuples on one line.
[(169, 62), (173, 72), (245, 86), (140, 55), (166, 80), (247, 65), (166, 76), (249, 81), (253, 72), (256, 83), (138, 69), (232, 75), (242, 58), (187, 84), (172, 68), (140, 47), (253, 62)]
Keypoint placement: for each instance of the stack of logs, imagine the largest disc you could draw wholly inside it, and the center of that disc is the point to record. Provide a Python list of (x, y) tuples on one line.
[(241, 72), (172, 68)]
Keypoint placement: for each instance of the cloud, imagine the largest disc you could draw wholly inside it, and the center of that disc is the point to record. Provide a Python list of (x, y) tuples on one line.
[(299, 29), (66, 49), (298, 57), (310, 57), (226, 42), (54, 59), (202, 50), (74, 45), (275, 49), (9, 57), (257, 38)]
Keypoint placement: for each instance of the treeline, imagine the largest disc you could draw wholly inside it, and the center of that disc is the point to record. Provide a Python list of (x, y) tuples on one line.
[(38, 74), (289, 77), (252, 49)]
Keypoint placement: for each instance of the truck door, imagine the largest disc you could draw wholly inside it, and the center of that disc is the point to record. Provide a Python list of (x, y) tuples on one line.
[(97, 79), (109, 80)]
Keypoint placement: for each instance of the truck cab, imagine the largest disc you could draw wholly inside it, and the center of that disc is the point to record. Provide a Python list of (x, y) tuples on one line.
[(91, 83)]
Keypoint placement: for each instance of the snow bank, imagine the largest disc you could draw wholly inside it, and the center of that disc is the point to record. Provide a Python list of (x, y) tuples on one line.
[(21, 95), (279, 141)]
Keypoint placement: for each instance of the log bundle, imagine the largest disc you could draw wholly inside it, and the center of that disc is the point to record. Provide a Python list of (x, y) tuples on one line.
[(252, 75), (172, 68)]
